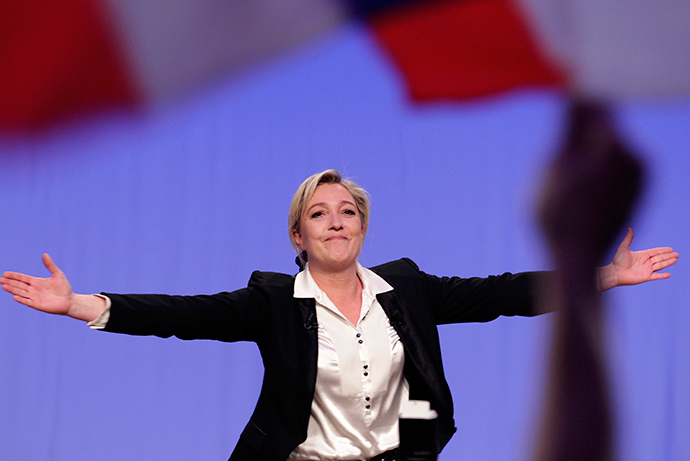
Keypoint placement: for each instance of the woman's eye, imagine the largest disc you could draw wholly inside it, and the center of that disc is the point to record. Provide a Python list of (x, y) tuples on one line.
[(317, 214), (350, 212)]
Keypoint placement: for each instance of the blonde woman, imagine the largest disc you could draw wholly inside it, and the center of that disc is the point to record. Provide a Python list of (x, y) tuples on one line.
[(344, 347)]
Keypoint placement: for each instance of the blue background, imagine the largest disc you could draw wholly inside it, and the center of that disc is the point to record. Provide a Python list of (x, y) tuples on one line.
[(192, 197)]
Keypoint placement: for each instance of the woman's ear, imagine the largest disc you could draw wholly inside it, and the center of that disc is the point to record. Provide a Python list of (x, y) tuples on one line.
[(297, 238)]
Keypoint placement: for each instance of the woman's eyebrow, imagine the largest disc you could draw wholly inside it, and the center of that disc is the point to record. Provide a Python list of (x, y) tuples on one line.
[(348, 202)]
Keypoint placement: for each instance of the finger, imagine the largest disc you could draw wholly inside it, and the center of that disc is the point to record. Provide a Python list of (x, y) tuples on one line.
[(661, 251), (659, 265), (16, 289), (660, 275), (665, 257), (627, 240), (14, 283), (17, 276), (23, 300), (50, 265)]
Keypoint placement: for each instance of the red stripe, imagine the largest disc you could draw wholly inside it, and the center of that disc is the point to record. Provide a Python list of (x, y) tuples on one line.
[(58, 60), (457, 49)]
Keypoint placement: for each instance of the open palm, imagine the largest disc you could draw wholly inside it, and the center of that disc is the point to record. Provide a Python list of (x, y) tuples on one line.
[(52, 294), (633, 267)]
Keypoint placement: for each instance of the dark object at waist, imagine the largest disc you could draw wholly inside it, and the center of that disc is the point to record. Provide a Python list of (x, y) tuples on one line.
[(390, 455)]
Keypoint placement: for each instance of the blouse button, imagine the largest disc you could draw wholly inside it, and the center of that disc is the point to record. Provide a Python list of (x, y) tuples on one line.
[(366, 373), (360, 341), (368, 406)]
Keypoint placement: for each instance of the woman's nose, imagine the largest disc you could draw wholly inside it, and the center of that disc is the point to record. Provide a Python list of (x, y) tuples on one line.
[(336, 223)]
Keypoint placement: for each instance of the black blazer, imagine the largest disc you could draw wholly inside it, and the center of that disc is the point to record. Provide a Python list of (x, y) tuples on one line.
[(285, 330)]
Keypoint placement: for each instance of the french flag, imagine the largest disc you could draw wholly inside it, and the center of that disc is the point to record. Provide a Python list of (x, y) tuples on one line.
[(62, 59)]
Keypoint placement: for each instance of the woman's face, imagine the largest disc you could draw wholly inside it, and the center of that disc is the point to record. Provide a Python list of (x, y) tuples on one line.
[(330, 229)]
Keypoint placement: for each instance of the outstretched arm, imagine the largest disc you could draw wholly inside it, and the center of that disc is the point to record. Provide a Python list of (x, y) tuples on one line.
[(53, 294), (633, 267)]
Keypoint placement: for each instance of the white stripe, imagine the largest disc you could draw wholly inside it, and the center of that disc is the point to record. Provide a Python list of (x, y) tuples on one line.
[(176, 45), (618, 48)]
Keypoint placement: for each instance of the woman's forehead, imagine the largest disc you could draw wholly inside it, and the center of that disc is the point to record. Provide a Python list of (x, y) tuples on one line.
[(330, 193)]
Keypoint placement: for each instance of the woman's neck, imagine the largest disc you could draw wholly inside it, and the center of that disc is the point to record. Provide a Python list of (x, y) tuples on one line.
[(342, 281), (343, 288)]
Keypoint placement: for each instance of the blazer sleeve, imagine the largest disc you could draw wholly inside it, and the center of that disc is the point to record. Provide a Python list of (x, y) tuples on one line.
[(229, 316), (476, 299)]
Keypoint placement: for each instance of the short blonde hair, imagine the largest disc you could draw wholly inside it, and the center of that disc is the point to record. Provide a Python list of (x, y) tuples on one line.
[(306, 191)]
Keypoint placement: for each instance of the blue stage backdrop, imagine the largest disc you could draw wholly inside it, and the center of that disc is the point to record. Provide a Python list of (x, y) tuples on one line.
[(193, 197)]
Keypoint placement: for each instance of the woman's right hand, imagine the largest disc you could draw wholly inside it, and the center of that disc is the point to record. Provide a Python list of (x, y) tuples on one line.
[(53, 294)]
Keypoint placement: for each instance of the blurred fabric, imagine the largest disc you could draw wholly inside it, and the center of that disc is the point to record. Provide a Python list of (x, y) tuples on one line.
[(189, 191), (68, 58)]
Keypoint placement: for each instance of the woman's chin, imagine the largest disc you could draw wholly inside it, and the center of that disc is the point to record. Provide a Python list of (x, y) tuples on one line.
[(336, 262)]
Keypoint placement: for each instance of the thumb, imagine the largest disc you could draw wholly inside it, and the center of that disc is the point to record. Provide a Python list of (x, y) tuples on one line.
[(628, 239), (50, 265)]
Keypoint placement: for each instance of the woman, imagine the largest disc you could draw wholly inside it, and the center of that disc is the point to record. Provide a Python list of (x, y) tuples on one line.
[(343, 347)]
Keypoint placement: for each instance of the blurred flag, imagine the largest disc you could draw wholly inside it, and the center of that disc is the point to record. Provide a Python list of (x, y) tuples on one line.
[(65, 58), (458, 49), (450, 49), (617, 49)]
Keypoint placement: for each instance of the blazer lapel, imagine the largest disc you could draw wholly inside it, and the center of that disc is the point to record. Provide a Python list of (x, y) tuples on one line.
[(398, 314), (308, 349)]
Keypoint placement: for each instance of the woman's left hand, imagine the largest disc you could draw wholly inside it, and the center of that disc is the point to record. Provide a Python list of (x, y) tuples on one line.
[(633, 267)]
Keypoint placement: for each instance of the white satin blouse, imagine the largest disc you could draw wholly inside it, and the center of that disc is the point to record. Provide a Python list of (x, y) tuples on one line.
[(360, 387)]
